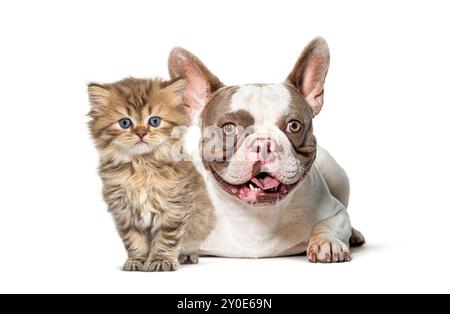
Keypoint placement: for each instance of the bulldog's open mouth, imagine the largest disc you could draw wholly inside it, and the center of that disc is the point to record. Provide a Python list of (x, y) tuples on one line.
[(262, 190)]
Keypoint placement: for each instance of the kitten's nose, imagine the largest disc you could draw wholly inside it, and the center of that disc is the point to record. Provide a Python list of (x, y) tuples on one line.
[(141, 131)]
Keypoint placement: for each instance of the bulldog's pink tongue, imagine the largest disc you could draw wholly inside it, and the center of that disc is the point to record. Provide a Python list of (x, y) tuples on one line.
[(267, 183)]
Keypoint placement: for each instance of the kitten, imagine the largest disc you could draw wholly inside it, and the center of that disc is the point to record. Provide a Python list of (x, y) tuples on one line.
[(159, 204)]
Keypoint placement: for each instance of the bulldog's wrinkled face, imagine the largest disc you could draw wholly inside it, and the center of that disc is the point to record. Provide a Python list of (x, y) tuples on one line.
[(257, 140)]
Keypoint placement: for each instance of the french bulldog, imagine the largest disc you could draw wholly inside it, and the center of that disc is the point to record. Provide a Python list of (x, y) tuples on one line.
[(275, 192)]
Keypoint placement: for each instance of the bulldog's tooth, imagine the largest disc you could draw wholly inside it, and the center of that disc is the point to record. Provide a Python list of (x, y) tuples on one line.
[(252, 188)]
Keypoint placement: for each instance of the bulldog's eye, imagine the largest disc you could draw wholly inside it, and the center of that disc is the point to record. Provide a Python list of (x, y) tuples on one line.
[(155, 122), (125, 123), (294, 127), (229, 129)]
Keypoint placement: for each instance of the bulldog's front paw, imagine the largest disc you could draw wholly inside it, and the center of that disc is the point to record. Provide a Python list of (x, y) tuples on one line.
[(188, 259), (160, 265), (324, 250), (133, 264)]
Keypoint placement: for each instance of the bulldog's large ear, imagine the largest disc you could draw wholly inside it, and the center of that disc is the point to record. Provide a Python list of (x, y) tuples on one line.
[(310, 72), (200, 82)]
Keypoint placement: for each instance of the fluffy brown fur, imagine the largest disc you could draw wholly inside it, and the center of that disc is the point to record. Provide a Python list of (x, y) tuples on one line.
[(159, 204)]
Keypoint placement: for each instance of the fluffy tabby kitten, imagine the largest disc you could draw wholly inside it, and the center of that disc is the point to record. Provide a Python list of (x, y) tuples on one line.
[(159, 205)]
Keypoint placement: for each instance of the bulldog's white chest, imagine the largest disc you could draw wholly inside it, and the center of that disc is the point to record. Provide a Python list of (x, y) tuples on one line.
[(242, 233), (238, 241), (284, 230)]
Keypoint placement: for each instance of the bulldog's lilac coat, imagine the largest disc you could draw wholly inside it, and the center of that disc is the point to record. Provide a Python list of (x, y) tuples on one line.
[(275, 192)]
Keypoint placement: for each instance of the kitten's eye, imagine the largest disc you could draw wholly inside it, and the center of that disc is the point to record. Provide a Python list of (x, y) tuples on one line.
[(155, 122), (125, 123), (294, 127), (229, 129)]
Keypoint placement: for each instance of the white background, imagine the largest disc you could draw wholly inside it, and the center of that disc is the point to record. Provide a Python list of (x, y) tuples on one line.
[(385, 119)]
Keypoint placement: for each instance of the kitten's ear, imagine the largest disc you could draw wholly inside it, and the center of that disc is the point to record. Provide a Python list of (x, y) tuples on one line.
[(310, 71), (200, 82), (98, 96), (176, 90)]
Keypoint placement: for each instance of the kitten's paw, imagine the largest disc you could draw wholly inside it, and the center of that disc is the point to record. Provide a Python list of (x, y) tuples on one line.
[(188, 259), (159, 265), (324, 250), (133, 264)]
